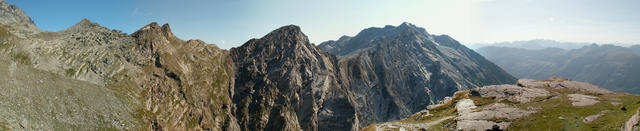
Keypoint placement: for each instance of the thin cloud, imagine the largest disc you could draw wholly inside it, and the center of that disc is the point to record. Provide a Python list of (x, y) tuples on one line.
[(134, 12)]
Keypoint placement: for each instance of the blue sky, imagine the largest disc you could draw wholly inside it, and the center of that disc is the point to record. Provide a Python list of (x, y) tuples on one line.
[(231, 23)]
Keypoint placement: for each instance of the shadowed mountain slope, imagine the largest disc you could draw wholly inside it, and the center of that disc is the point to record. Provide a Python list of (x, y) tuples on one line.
[(612, 67), (397, 71)]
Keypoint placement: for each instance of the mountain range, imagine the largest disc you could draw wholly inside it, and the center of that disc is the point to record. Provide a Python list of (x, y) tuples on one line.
[(535, 44), (396, 71), (609, 66), (89, 77), (151, 79)]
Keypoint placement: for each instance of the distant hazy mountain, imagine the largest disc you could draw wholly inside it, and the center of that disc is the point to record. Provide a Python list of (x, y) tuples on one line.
[(396, 71), (612, 67), (536, 44), (636, 49)]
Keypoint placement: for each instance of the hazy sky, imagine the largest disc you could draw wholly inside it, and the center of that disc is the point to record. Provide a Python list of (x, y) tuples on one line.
[(231, 23)]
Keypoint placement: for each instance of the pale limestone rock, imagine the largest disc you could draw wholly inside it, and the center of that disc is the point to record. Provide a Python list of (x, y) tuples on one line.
[(558, 83), (510, 92), (480, 125), (632, 123), (591, 118), (583, 100)]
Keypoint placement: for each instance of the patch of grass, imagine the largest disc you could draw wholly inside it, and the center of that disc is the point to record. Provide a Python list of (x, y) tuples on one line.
[(4, 32), (371, 127), (70, 72), (142, 113), (548, 117), (4, 127), (193, 122), (22, 57), (70, 92), (6, 45), (482, 101), (447, 109), (446, 125)]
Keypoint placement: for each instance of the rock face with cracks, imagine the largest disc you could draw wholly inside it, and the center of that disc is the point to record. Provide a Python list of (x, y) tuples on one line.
[(396, 71), (286, 83)]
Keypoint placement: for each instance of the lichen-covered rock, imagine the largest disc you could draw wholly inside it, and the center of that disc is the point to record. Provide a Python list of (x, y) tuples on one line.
[(495, 111), (480, 125), (560, 83), (582, 100), (591, 118), (510, 92), (469, 118)]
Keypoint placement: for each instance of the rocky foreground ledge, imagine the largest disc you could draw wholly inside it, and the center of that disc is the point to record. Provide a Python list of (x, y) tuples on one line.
[(553, 104)]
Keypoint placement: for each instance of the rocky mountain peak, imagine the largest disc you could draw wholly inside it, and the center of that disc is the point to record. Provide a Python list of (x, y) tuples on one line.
[(286, 41), (411, 28), (166, 30), (289, 32), (14, 16), (85, 23), (406, 25), (405, 32), (85, 20), (283, 77), (154, 29), (344, 37)]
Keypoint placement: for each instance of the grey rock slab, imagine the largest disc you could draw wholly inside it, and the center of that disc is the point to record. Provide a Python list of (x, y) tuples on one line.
[(410, 126), (632, 122), (591, 118), (496, 110), (558, 83), (465, 106), (480, 125), (582, 100), (510, 92)]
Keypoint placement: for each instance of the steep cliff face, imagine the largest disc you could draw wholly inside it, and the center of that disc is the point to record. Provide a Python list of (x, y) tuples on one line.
[(397, 71), (285, 83), (13, 16), (185, 84)]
